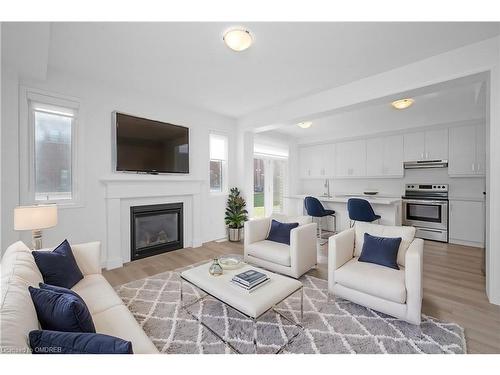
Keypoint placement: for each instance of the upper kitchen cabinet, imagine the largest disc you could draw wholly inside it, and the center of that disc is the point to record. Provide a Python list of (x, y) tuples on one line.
[(384, 156), (306, 161), (436, 144), (467, 151), (480, 150), (426, 145), (414, 146), (350, 159), (328, 160), (317, 161)]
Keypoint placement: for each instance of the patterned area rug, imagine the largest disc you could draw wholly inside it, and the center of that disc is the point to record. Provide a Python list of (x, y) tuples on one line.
[(338, 326)]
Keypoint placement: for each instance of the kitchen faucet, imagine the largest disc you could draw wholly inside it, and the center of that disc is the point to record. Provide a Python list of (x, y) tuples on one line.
[(326, 185)]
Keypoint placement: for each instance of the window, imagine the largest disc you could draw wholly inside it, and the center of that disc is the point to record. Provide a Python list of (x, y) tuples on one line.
[(51, 138), (218, 163)]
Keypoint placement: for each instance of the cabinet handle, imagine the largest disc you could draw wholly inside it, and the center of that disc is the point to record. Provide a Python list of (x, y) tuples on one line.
[(472, 167), (422, 155), (477, 167)]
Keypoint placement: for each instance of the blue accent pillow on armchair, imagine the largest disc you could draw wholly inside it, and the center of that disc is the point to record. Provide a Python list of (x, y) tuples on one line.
[(64, 312), (52, 342), (280, 232), (58, 267), (380, 250)]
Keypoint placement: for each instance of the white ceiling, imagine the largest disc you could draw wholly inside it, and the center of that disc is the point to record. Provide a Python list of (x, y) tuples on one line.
[(189, 62), (456, 102)]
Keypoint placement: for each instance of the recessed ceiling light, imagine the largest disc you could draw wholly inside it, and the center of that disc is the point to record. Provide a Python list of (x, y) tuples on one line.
[(305, 124), (403, 103), (238, 39)]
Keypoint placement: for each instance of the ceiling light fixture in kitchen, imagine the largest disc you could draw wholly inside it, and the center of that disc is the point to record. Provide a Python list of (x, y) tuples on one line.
[(305, 124), (403, 103)]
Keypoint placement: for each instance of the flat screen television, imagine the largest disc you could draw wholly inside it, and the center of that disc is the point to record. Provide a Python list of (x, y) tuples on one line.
[(150, 146)]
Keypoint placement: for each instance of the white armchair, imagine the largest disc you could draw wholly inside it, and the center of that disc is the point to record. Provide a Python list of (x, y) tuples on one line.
[(394, 292), (293, 260)]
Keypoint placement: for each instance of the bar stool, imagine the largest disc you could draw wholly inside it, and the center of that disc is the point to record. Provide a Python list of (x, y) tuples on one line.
[(360, 210), (315, 209)]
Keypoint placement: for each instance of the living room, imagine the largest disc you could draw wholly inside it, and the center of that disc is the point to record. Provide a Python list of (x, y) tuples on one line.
[(186, 198)]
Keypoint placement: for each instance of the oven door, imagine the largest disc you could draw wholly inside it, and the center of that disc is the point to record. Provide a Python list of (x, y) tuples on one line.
[(425, 213)]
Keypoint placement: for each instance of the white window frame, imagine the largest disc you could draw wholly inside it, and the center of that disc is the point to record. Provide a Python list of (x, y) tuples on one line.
[(29, 97), (225, 164)]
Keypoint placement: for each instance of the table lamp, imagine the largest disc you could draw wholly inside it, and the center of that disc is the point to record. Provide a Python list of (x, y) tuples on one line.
[(35, 218)]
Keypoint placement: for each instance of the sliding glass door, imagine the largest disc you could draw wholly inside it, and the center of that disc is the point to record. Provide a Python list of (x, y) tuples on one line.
[(269, 185), (278, 188)]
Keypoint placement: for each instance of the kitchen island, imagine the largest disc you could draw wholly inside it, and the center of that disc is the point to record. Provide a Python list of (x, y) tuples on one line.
[(388, 207)]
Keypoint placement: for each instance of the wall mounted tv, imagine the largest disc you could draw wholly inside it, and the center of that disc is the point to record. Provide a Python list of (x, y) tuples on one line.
[(150, 146)]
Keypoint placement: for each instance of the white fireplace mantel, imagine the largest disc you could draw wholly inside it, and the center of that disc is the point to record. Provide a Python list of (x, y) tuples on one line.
[(123, 192)]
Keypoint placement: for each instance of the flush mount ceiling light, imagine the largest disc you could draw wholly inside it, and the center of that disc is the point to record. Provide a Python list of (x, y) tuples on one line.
[(402, 103), (305, 124), (238, 39)]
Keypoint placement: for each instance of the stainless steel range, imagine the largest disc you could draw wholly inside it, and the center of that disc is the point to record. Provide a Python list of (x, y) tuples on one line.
[(425, 207)]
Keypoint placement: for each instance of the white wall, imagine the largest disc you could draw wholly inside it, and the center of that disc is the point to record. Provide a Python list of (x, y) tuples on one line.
[(10, 156), (97, 102), (0, 134)]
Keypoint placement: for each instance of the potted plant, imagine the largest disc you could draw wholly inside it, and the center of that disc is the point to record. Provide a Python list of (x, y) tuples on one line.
[(236, 215)]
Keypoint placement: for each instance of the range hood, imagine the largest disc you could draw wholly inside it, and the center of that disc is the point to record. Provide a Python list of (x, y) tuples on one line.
[(425, 164)]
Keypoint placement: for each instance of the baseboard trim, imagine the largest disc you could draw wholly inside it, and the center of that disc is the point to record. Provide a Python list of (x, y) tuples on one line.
[(197, 243), (466, 243), (111, 264)]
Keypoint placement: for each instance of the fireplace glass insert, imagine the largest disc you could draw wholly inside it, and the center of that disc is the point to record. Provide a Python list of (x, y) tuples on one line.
[(155, 229)]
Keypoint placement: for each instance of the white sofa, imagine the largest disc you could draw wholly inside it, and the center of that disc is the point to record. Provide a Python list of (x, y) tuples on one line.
[(394, 292), (293, 260), (18, 315)]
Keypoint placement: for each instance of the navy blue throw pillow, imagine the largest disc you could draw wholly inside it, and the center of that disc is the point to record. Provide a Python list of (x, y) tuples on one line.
[(52, 342), (59, 289), (64, 312), (380, 250), (58, 267), (280, 232)]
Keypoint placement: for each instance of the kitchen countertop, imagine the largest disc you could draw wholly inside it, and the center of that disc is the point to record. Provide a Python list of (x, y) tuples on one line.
[(343, 198)]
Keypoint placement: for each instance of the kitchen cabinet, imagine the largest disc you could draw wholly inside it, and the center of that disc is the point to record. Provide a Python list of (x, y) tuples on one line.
[(464, 148), (414, 146), (328, 160), (384, 156), (350, 159), (466, 224), (467, 151), (317, 161), (305, 161), (426, 145), (480, 150), (436, 144)]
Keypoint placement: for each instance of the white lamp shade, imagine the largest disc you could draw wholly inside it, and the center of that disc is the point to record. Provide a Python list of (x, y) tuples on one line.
[(35, 217)]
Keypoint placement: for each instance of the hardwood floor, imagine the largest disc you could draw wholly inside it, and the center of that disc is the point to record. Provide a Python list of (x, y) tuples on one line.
[(454, 287)]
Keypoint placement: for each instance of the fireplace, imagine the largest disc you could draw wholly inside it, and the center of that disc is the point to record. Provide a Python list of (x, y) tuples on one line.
[(155, 229)]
